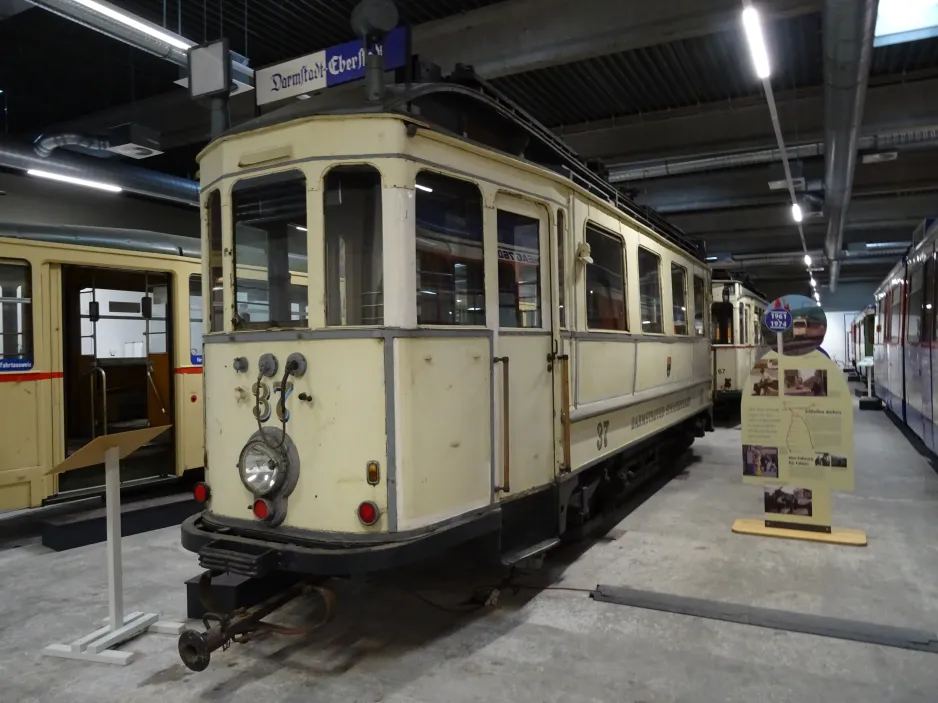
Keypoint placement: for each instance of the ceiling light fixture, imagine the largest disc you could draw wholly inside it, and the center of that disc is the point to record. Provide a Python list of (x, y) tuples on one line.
[(117, 16), (813, 282), (75, 181), (807, 259), (796, 212), (760, 56), (424, 188)]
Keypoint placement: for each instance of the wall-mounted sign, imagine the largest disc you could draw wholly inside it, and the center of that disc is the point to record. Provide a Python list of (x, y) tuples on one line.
[(324, 69)]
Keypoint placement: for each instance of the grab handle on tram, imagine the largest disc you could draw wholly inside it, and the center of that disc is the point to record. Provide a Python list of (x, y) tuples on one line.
[(98, 370), (506, 427)]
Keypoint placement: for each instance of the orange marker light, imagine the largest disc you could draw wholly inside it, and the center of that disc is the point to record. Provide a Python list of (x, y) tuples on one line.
[(373, 473)]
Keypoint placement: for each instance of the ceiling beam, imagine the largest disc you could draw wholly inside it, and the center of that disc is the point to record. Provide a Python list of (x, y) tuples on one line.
[(524, 35), (745, 125)]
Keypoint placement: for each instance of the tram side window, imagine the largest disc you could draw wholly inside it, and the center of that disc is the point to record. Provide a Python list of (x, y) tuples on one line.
[(699, 306), (519, 270), (679, 298), (270, 251), (721, 317), (215, 248), (450, 263), (605, 281), (16, 316), (560, 268), (895, 316), (928, 312), (354, 251), (913, 327), (649, 287), (195, 319)]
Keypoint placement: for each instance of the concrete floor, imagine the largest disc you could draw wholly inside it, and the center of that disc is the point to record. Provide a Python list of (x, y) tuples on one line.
[(546, 645)]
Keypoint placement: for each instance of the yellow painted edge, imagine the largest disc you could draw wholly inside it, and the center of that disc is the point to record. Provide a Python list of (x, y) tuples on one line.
[(837, 535)]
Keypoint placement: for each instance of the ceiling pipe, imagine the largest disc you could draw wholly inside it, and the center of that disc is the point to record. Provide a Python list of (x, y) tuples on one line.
[(44, 146), (902, 140), (795, 259), (133, 179), (848, 30)]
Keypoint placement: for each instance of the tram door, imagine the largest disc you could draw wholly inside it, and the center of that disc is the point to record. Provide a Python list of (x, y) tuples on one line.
[(524, 337), (117, 361)]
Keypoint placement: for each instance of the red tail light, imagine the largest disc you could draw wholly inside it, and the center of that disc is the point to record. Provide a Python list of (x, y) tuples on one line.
[(201, 492), (261, 509), (368, 513)]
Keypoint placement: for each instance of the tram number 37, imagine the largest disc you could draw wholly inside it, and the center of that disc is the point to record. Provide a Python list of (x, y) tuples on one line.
[(602, 434)]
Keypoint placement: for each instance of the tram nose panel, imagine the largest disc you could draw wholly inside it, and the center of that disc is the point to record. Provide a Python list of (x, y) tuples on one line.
[(303, 442)]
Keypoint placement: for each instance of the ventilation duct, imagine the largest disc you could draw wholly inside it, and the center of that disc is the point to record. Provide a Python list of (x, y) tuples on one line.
[(848, 30), (796, 258), (44, 146), (131, 178)]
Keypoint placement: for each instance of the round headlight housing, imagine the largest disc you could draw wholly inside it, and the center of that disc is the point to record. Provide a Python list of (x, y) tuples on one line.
[(263, 469)]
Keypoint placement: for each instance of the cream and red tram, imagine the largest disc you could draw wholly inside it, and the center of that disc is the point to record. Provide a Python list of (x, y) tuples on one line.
[(100, 331), (459, 332)]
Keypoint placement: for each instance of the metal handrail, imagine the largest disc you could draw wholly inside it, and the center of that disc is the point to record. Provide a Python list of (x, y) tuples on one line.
[(506, 425), (91, 375)]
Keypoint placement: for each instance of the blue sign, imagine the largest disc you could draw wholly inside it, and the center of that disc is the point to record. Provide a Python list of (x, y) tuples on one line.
[(195, 359), (346, 62), (16, 364), (324, 69), (778, 320)]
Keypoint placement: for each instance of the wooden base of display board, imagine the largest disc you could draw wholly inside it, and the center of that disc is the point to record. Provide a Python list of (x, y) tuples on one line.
[(837, 535)]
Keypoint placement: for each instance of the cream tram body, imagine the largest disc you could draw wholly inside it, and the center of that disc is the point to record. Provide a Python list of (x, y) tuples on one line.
[(49, 276), (738, 341), (433, 264)]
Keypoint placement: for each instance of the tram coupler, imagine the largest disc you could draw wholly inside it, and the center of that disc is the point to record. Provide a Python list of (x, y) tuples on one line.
[(195, 648)]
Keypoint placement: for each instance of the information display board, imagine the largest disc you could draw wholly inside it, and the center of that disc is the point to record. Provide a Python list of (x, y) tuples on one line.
[(797, 436)]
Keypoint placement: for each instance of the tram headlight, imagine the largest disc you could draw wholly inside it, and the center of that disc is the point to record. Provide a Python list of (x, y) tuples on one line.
[(263, 469)]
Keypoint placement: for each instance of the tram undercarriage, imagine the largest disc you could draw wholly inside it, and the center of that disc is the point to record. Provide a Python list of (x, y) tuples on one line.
[(514, 535)]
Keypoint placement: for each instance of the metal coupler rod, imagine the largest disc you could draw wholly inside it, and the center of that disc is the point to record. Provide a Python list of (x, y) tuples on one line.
[(196, 648)]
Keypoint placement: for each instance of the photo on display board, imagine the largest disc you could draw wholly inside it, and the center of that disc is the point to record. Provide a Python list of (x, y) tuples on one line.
[(787, 500), (806, 382), (808, 325), (760, 461), (826, 459), (763, 378)]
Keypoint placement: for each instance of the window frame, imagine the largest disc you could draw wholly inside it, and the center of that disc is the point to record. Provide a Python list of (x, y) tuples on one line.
[(483, 295), (704, 308), (326, 272), (658, 258), (215, 320), (683, 270), (535, 214), (201, 356), (623, 259), (296, 175), (561, 268), (25, 360)]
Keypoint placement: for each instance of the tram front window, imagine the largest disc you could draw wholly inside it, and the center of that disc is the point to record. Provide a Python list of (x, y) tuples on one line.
[(270, 251), (721, 319)]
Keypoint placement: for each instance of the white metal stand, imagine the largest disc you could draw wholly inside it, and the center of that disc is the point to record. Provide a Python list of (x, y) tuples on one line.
[(98, 646)]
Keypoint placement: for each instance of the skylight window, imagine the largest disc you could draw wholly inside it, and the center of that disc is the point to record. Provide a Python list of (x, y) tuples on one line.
[(901, 21)]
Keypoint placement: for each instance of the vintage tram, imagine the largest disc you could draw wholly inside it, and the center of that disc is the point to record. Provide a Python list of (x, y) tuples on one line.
[(100, 331), (738, 343), (462, 334)]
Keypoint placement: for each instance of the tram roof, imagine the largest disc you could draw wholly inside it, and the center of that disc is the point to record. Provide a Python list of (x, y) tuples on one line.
[(469, 108), (138, 240)]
